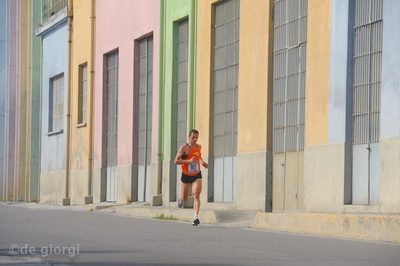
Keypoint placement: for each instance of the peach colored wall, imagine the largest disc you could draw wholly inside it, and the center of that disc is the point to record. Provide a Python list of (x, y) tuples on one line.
[(254, 87), (81, 55), (317, 80), (203, 73), (255, 76)]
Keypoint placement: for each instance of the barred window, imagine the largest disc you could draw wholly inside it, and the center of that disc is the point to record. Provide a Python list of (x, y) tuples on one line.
[(145, 97), (51, 7), (182, 83), (112, 108), (82, 94), (367, 57), (226, 65), (289, 78), (56, 112)]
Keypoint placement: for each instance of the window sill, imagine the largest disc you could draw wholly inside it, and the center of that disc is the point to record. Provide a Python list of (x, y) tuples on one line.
[(55, 132), (81, 125)]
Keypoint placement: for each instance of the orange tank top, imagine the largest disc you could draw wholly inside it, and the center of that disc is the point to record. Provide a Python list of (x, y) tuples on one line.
[(193, 168)]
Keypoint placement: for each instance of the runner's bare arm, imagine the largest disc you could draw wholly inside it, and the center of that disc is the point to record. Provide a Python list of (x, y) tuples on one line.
[(203, 163), (178, 157)]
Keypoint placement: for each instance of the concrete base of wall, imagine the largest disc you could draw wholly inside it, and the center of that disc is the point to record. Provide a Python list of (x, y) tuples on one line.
[(88, 199), (156, 200), (66, 202), (99, 184), (168, 183), (324, 178), (389, 175), (78, 186), (52, 187), (360, 226), (124, 184), (254, 181)]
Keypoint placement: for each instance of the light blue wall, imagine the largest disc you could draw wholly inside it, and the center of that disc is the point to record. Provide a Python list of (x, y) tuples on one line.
[(340, 101), (341, 72), (390, 85), (3, 84), (54, 63)]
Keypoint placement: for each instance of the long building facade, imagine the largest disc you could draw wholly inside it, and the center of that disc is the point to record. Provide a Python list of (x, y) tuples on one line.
[(295, 101), (20, 101)]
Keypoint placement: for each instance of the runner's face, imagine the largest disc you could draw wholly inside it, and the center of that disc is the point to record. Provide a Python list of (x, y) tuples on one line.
[(193, 138)]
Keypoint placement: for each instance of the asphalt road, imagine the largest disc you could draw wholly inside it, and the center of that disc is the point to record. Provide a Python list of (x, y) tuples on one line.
[(55, 236)]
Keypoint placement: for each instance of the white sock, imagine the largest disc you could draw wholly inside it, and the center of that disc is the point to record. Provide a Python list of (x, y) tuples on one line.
[(195, 217)]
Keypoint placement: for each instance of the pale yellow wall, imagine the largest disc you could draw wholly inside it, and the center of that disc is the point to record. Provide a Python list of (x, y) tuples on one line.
[(255, 67), (203, 72), (317, 75), (254, 89), (81, 54)]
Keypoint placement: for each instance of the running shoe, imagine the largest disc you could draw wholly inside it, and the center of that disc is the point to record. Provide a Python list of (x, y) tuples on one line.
[(196, 222), (180, 203)]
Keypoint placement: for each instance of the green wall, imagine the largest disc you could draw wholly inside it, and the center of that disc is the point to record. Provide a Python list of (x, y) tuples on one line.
[(173, 11), (34, 171)]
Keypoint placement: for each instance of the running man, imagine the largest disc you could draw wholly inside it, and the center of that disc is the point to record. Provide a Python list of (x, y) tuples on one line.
[(189, 157)]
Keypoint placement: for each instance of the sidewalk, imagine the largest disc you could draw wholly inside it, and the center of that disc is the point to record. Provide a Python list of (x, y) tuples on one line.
[(229, 218)]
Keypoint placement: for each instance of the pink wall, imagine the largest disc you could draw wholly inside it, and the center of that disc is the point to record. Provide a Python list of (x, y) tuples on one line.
[(118, 25)]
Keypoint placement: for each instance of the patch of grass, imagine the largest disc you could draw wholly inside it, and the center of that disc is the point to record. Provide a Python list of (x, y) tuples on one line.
[(35, 201), (163, 217), (91, 209)]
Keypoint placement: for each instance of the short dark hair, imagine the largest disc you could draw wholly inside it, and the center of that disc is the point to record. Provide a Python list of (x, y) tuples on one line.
[(193, 131)]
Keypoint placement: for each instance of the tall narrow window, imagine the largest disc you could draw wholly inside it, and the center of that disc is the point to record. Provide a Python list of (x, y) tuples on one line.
[(112, 111), (182, 83), (112, 123), (225, 94), (82, 94), (145, 106), (290, 36), (180, 94), (289, 80), (56, 111), (367, 57)]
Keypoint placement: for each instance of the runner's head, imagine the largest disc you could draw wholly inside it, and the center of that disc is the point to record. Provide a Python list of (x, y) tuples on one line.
[(193, 136)]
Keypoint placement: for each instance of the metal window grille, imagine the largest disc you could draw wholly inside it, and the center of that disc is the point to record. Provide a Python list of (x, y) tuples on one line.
[(82, 94), (367, 70), (51, 7), (57, 103), (145, 96), (290, 37), (182, 83), (112, 109), (226, 65)]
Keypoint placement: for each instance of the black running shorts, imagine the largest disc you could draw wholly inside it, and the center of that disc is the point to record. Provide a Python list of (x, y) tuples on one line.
[(187, 179)]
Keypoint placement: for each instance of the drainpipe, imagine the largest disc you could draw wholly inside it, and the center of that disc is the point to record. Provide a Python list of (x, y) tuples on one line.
[(89, 198), (66, 200), (161, 98)]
